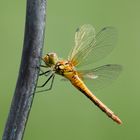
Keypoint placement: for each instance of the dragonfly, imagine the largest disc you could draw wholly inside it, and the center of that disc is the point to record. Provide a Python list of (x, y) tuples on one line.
[(89, 48)]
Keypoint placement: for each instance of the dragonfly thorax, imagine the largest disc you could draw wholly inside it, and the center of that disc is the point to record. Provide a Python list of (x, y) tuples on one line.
[(63, 67)]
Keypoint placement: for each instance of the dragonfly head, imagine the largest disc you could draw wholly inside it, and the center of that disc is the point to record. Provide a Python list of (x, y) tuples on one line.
[(50, 59)]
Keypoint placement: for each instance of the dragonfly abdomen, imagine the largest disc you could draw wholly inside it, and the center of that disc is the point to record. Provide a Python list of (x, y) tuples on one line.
[(79, 84)]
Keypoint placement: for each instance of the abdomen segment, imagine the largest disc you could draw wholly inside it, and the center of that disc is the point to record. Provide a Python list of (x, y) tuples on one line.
[(79, 84)]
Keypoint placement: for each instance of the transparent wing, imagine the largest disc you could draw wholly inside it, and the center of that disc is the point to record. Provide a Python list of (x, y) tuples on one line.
[(83, 37), (101, 76), (90, 47)]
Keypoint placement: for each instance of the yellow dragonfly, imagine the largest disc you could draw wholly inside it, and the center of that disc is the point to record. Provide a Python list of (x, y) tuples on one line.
[(89, 47)]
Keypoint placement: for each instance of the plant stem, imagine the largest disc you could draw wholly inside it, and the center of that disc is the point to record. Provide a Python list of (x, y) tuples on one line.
[(28, 73)]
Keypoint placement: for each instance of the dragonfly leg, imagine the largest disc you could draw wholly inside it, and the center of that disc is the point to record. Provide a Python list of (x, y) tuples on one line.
[(44, 66), (38, 67), (46, 73), (46, 81), (52, 76)]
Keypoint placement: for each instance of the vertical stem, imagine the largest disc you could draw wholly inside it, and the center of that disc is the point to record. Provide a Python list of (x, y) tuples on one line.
[(28, 73)]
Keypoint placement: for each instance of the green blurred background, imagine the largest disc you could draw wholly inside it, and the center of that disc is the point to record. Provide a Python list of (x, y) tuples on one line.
[(64, 113)]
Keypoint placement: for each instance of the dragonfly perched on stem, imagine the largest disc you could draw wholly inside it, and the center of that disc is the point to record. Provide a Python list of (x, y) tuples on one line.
[(89, 47)]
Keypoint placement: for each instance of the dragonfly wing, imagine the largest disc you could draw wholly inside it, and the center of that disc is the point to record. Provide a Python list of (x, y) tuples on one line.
[(83, 37), (90, 47), (100, 76)]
